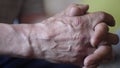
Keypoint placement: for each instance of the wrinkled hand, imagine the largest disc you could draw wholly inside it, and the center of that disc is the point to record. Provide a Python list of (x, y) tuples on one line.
[(78, 10), (69, 37)]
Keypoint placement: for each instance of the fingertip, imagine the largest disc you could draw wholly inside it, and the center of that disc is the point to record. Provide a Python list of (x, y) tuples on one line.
[(86, 7), (112, 38)]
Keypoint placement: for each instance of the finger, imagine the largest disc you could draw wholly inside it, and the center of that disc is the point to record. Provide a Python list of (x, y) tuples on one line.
[(78, 9), (108, 58), (74, 10), (112, 38), (100, 53), (98, 17), (100, 33)]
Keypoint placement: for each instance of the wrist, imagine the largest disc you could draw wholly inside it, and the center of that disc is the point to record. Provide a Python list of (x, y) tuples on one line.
[(23, 31), (37, 39), (14, 40)]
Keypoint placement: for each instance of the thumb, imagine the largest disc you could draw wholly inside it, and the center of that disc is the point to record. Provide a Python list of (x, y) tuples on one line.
[(74, 10), (77, 10)]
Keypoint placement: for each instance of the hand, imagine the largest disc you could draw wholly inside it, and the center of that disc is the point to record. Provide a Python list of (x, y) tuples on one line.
[(78, 10), (66, 39)]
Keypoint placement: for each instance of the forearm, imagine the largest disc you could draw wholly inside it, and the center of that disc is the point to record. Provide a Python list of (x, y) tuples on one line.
[(25, 40), (14, 40)]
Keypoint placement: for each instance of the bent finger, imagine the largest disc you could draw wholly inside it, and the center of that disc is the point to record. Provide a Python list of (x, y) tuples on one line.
[(112, 38), (100, 53), (100, 33), (98, 17)]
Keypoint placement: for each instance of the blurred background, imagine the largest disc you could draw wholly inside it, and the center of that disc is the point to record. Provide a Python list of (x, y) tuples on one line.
[(54, 6)]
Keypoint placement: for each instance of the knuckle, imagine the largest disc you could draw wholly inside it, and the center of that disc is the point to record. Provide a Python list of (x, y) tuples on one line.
[(77, 21), (103, 26), (77, 49)]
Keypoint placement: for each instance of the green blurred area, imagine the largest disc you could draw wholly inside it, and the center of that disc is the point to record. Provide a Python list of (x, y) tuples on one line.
[(109, 6)]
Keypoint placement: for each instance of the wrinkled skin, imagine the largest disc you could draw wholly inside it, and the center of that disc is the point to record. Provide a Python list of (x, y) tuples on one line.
[(72, 37)]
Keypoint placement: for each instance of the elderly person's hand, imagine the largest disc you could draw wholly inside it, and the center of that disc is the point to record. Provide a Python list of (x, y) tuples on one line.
[(78, 10), (70, 37)]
